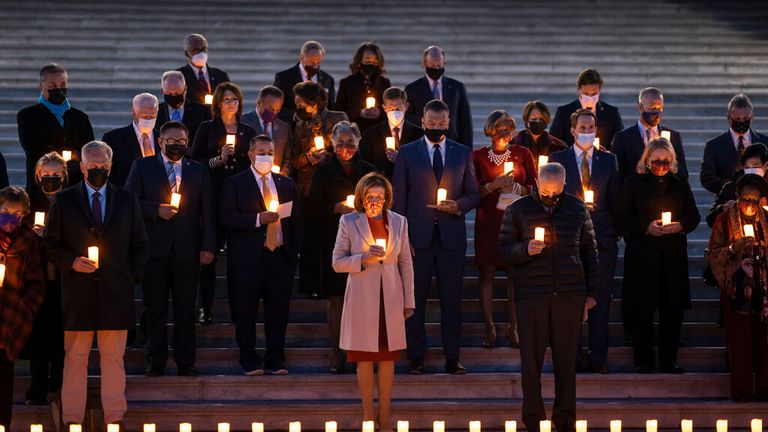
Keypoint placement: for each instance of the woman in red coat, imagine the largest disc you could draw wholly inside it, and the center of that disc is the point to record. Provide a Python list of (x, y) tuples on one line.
[(498, 189), (21, 291)]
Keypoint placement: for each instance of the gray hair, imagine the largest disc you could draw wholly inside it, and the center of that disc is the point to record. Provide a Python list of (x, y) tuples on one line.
[(345, 127), (740, 101), (96, 147), (552, 170), (144, 99), (433, 51), (173, 75), (312, 46), (649, 91)]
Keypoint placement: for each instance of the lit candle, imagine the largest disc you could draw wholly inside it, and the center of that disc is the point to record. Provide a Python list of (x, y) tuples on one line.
[(319, 143), (581, 426), (113, 427), (538, 234), (666, 218), (510, 426), (40, 218), (273, 204), (2, 274), (666, 135), (223, 427), (474, 426), (381, 242), (208, 99), (294, 426), (596, 143), (508, 167), (402, 426), (75, 428), (370, 102), (149, 427), (721, 425), (175, 200), (545, 426), (257, 427), (330, 426), (93, 255), (749, 230), (756, 425), (368, 426), (36, 428), (438, 426), (275, 169), (442, 195), (651, 425), (686, 425), (589, 196), (390, 142), (185, 427), (350, 201), (543, 160), (230, 139), (615, 425), (66, 155)]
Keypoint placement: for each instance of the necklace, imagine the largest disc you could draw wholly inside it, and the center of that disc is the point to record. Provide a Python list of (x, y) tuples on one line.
[(498, 159)]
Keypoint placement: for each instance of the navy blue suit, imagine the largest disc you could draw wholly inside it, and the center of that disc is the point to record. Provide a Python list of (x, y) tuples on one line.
[(439, 239), (608, 122), (628, 146), (257, 272), (604, 182), (454, 95), (125, 149), (721, 160)]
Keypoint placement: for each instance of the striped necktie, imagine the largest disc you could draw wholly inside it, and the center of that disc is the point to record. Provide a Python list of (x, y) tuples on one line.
[(171, 173), (270, 242)]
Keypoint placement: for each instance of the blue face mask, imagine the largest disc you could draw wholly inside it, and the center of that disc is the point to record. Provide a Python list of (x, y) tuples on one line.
[(9, 222)]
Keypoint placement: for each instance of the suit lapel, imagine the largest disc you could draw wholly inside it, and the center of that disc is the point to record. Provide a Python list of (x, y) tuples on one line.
[(450, 159), (575, 173), (111, 198), (394, 228), (257, 191), (422, 149), (362, 226), (447, 91), (84, 203)]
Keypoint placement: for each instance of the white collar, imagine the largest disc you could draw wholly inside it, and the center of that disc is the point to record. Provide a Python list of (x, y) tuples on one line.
[(197, 69), (432, 144), (579, 151), (91, 190), (259, 175)]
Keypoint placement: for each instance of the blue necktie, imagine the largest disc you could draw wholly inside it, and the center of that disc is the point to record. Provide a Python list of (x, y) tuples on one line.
[(437, 163), (176, 115), (436, 90), (96, 210)]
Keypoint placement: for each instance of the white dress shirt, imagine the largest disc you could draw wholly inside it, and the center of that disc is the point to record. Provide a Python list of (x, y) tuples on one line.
[(654, 131), (172, 110), (102, 198), (431, 149), (273, 192), (579, 154), (439, 86), (176, 171), (139, 139), (399, 131), (747, 138), (197, 70)]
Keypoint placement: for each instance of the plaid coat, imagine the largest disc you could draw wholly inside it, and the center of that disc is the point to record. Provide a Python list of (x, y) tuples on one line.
[(22, 291)]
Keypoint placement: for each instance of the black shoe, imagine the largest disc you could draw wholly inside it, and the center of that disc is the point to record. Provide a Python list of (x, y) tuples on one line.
[(644, 369), (599, 368), (629, 341), (189, 371), (204, 316), (338, 365), (153, 371), (671, 369), (416, 367), (36, 402), (454, 367)]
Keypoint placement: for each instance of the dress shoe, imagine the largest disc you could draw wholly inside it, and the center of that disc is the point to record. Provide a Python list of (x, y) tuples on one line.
[(255, 371), (277, 369), (454, 367), (599, 368), (416, 367), (644, 369), (671, 369), (629, 341), (189, 371), (153, 371), (338, 365), (204, 316)]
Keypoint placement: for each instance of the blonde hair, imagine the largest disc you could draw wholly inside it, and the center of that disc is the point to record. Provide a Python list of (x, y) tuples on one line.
[(653, 145), (51, 158), (368, 181)]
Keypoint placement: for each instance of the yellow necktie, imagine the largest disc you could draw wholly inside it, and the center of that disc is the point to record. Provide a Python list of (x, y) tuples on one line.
[(271, 240), (585, 170)]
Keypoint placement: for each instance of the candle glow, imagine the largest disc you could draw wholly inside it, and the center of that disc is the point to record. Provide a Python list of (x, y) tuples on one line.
[(149, 427), (651, 425), (368, 426), (686, 425), (230, 139), (319, 143), (442, 195), (257, 427), (330, 426), (66, 155), (113, 427), (350, 202), (581, 426), (666, 135), (510, 426), (508, 167), (275, 169), (615, 425), (93, 255), (294, 426), (545, 426), (40, 218), (223, 427), (175, 200), (749, 230), (438, 426), (589, 196), (475, 426), (756, 425), (381, 242), (538, 234), (402, 426), (596, 143), (390, 142), (543, 160), (185, 427), (273, 204), (666, 218), (721, 425), (208, 99), (370, 102)]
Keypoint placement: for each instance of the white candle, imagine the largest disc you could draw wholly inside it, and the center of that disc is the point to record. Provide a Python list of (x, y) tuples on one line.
[(185, 427), (294, 426), (589, 196), (721, 425), (581, 426), (149, 427), (615, 425), (438, 426), (381, 242), (749, 230), (508, 167), (273, 204), (545, 426), (175, 200), (93, 255), (666, 218), (370, 102), (2, 274), (368, 426), (319, 143), (686, 425), (442, 195), (390, 142), (223, 427), (350, 202), (475, 426), (36, 428), (113, 427), (75, 428), (275, 169), (330, 426), (257, 427), (651, 425), (402, 426), (230, 139), (40, 218), (510, 426), (538, 233), (543, 160), (208, 99), (756, 425), (666, 135), (66, 155), (596, 143)]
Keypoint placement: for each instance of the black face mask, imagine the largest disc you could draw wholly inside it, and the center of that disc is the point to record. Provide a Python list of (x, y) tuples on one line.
[(174, 152), (311, 71), (435, 73), (435, 135), (302, 114), (57, 96), (174, 101), (740, 127), (97, 177), (370, 69), (51, 184), (537, 127), (652, 118), (550, 201)]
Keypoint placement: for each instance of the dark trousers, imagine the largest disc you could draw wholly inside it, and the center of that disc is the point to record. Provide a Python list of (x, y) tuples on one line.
[(310, 262), (270, 279), (6, 390), (747, 345), (598, 315), (46, 375), (449, 266), (177, 278), (555, 319), (670, 325), (207, 280)]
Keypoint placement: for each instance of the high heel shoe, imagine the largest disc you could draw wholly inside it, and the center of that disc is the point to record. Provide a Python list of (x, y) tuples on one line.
[(489, 338)]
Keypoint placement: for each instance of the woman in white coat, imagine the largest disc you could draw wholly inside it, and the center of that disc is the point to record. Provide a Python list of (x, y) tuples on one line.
[(372, 246)]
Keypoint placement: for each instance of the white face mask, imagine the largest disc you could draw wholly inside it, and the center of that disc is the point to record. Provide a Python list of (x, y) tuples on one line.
[(395, 117), (758, 171), (589, 101), (263, 163), (146, 125), (200, 59), (585, 140)]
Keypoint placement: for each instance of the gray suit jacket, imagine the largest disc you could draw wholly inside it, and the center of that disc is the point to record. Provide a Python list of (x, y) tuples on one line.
[(281, 135)]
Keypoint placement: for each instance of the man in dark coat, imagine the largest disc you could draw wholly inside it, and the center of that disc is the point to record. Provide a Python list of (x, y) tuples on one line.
[(177, 106), (556, 278), (307, 69), (201, 78), (95, 236)]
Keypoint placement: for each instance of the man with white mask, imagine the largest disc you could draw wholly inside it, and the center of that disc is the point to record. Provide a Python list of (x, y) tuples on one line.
[(262, 254), (135, 141), (201, 78), (396, 129)]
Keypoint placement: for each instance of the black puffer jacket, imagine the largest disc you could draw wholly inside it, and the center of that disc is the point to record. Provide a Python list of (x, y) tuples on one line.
[(567, 265)]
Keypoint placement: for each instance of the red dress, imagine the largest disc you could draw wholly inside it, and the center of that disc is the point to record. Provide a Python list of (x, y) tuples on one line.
[(488, 218), (378, 230)]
